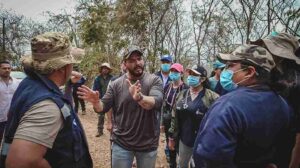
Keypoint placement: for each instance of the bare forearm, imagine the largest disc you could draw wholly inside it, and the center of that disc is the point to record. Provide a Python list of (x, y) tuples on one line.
[(38, 164), (26, 163), (43, 164), (148, 102), (97, 106), (109, 113)]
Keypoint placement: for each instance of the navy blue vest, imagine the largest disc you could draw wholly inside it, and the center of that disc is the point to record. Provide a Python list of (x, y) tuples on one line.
[(70, 148)]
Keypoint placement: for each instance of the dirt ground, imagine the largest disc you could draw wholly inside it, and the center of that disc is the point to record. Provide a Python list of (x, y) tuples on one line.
[(100, 146)]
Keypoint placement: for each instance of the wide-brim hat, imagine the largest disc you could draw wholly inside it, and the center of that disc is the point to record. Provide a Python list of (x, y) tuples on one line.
[(51, 51), (107, 65), (281, 45)]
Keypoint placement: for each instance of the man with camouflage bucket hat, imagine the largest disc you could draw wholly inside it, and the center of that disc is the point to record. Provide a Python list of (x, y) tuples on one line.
[(242, 127), (41, 121), (285, 78)]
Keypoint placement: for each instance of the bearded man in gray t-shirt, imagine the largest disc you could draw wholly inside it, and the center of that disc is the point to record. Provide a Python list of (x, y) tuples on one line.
[(136, 99)]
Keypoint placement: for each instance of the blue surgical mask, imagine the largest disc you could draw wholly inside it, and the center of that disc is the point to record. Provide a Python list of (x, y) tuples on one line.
[(226, 80), (193, 81), (174, 76), (165, 67)]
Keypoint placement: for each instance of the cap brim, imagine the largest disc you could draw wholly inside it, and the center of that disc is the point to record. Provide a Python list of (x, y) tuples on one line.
[(280, 51), (176, 69), (228, 57), (277, 50), (258, 42), (196, 72), (77, 54), (165, 59), (106, 67)]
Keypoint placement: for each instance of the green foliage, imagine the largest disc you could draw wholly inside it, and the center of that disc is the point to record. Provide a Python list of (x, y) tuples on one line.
[(192, 32)]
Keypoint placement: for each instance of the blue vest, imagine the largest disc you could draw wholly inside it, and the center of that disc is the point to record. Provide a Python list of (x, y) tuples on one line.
[(70, 148)]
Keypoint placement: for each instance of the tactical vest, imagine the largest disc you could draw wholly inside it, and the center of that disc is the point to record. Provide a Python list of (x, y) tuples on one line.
[(70, 148)]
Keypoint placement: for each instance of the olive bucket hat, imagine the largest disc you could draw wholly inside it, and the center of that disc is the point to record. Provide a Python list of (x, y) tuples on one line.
[(281, 45)]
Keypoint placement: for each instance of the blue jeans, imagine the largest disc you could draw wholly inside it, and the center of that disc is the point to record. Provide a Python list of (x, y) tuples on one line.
[(122, 158)]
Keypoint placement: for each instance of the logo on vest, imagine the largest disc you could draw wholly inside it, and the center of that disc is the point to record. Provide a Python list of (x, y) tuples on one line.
[(74, 122)]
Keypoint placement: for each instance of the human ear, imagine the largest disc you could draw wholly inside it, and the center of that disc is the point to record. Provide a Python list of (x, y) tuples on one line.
[(251, 71)]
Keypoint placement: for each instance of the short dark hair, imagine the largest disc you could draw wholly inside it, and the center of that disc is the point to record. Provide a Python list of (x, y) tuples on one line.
[(262, 75), (4, 62)]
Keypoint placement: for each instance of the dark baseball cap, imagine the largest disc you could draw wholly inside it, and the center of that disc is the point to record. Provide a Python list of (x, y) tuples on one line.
[(166, 58), (130, 50), (198, 70), (252, 53)]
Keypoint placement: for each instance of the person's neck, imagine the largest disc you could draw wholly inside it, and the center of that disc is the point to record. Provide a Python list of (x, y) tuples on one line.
[(104, 75), (217, 77), (165, 73), (196, 89), (132, 77), (5, 79), (176, 84), (56, 78), (250, 83)]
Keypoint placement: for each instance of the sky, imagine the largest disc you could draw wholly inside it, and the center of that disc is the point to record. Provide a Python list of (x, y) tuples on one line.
[(34, 8)]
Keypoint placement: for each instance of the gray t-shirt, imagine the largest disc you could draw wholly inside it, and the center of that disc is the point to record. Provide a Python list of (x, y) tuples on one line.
[(134, 128)]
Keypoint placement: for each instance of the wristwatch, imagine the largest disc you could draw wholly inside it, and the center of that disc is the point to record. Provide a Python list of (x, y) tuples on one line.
[(141, 97)]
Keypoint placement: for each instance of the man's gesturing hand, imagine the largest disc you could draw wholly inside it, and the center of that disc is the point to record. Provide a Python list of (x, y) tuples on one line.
[(135, 90), (88, 94)]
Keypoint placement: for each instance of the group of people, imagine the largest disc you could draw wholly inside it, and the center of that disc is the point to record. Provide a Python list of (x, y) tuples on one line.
[(245, 114)]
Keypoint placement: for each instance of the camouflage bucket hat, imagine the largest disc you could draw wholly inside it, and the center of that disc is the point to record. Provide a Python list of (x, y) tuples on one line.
[(282, 45), (51, 51), (253, 53)]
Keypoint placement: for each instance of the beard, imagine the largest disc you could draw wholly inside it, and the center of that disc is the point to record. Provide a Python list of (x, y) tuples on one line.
[(136, 71)]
